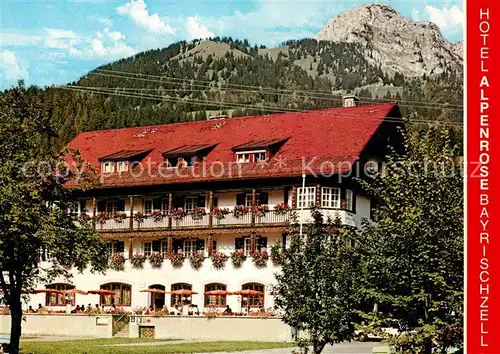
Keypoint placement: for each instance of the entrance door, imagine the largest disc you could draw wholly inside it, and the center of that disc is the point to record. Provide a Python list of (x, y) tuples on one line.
[(157, 300)]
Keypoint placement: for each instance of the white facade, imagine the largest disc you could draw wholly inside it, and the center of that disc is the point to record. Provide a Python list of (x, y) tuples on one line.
[(233, 278)]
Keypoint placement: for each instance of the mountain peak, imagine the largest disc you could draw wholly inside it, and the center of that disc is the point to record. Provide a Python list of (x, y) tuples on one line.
[(392, 41)]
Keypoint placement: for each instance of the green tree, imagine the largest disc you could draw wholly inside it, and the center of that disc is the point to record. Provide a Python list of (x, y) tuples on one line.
[(316, 288), (412, 257), (34, 207)]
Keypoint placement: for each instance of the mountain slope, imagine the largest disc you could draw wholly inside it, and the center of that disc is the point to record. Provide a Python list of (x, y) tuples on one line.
[(398, 44)]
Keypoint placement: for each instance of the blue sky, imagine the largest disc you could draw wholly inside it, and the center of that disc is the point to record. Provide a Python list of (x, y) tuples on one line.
[(52, 42)]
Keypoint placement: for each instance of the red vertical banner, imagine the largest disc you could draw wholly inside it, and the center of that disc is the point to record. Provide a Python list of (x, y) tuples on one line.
[(483, 161)]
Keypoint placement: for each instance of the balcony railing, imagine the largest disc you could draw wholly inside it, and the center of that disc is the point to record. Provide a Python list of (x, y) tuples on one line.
[(270, 218)]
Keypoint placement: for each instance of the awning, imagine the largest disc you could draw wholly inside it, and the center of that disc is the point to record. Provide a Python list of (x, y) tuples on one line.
[(260, 144)]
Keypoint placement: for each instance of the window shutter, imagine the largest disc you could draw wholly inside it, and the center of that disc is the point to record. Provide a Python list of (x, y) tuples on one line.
[(240, 199), (157, 204), (201, 201), (214, 245), (353, 201), (264, 198), (215, 202), (83, 206), (238, 243), (156, 246), (120, 205), (101, 205), (177, 245), (262, 243), (285, 195), (200, 245), (120, 246)]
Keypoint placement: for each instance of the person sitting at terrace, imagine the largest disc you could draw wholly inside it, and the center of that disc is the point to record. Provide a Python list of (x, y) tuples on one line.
[(30, 309), (228, 310)]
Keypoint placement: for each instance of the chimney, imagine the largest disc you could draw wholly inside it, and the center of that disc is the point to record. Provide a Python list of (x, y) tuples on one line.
[(350, 101)]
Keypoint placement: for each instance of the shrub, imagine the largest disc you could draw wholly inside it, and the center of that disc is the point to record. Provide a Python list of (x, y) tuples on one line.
[(277, 254)]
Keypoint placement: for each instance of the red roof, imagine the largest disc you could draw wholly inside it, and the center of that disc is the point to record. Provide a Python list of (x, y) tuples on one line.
[(332, 135)]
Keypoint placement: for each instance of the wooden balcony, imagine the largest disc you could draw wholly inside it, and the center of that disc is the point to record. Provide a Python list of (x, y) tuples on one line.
[(208, 221)]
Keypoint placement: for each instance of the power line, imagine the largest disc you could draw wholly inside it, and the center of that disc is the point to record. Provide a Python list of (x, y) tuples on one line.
[(322, 93), (107, 91), (330, 98)]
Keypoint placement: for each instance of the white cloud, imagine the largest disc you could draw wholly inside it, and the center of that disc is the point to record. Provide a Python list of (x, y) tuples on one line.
[(11, 70), (446, 17), (19, 39), (196, 30), (138, 12), (106, 45), (60, 39), (415, 14)]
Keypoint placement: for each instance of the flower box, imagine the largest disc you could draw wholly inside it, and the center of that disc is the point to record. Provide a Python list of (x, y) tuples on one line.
[(260, 258), (138, 260), (117, 262), (260, 210), (219, 260), (238, 257), (177, 260), (118, 216), (139, 217), (220, 213), (157, 216), (282, 209), (240, 211), (156, 260), (178, 214), (196, 260), (197, 213)]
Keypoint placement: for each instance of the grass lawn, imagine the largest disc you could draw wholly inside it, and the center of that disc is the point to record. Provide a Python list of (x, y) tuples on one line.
[(95, 346)]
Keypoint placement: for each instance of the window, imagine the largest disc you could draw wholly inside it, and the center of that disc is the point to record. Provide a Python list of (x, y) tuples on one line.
[(190, 203), (189, 247), (306, 198), (243, 158), (180, 299), (248, 246), (122, 297), (116, 247), (74, 209), (122, 166), (188, 160), (52, 299), (248, 199), (172, 161), (349, 196), (259, 156), (156, 246), (253, 300), (148, 206), (215, 300), (108, 167), (330, 197), (113, 205)]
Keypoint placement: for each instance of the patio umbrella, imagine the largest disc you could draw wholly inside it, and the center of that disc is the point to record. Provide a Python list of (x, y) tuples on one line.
[(47, 291), (101, 292), (183, 292), (218, 292), (247, 292), (154, 291), (73, 292)]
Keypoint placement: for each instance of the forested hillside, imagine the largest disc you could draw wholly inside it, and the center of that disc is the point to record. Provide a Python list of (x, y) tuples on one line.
[(189, 81)]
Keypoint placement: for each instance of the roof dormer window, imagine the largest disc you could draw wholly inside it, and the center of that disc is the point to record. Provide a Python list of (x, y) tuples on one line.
[(122, 166), (251, 156), (187, 155), (243, 157), (108, 167)]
